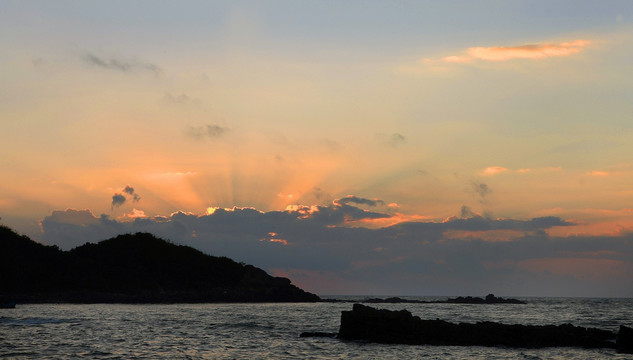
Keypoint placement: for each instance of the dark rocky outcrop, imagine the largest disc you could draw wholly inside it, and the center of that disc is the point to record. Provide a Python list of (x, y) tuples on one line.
[(392, 300), (401, 327), (133, 268), (624, 341), (489, 299)]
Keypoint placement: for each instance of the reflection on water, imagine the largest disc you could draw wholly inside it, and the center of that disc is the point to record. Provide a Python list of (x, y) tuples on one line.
[(227, 331)]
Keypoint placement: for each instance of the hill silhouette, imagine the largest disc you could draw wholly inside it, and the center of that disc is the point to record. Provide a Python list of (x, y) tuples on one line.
[(132, 268)]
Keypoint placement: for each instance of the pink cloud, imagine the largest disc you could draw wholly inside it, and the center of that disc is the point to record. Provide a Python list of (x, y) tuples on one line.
[(532, 52), (493, 170), (506, 53)]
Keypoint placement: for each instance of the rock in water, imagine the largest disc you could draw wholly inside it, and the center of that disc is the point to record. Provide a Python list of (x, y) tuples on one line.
[(400, 327), (624, 341)]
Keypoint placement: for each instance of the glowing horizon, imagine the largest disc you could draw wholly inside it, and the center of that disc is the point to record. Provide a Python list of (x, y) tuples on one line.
[(415, 126)]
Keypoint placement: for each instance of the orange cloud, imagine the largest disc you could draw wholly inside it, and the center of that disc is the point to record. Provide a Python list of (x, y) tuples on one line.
[(280, 241), (133, 215), (532, 52), (498, 54), (274, 239), (599, 173), (493, 170)]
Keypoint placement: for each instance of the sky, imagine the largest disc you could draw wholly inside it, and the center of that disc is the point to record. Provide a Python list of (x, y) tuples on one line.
[(355, 147)]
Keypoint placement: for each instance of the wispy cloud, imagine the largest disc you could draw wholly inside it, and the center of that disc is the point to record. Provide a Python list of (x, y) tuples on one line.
[(351, 199), (397, 139), (177, 99), (118, 64), (477, 54), (394, 140), (496, 170), (481, 189), (211, 131), (493, 170), (531, 51)]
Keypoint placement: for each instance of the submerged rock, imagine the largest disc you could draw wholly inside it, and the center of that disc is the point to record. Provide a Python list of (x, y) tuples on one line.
[(400, 327)]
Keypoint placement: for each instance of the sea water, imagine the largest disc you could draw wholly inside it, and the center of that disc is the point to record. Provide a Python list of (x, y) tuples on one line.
[(271, 331)]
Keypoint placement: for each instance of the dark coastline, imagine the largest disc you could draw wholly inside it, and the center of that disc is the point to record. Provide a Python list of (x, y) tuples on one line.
[(140, 268), (489, 299), (132, 268)]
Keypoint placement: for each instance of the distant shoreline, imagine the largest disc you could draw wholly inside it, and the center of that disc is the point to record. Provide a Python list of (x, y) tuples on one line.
[(489, 299)]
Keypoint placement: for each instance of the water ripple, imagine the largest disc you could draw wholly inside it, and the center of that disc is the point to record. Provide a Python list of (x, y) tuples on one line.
[(264, 331)]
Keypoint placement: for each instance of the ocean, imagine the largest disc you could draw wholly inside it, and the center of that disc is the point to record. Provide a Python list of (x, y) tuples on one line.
[(271, 331)]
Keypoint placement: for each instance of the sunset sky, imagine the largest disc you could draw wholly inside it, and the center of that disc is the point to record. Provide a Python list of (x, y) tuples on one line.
[(356, 147)]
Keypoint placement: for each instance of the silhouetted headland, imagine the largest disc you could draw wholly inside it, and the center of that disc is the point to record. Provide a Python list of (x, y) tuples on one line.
[(365, 323), (138, 268)]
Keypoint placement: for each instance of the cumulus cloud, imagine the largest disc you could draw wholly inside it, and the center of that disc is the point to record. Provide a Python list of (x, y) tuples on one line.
[(121, 198), (130, 191), (134, 214), (451, 257), (70, 228), (72, 217), (118, 200), (211, 131), (118, 64)]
